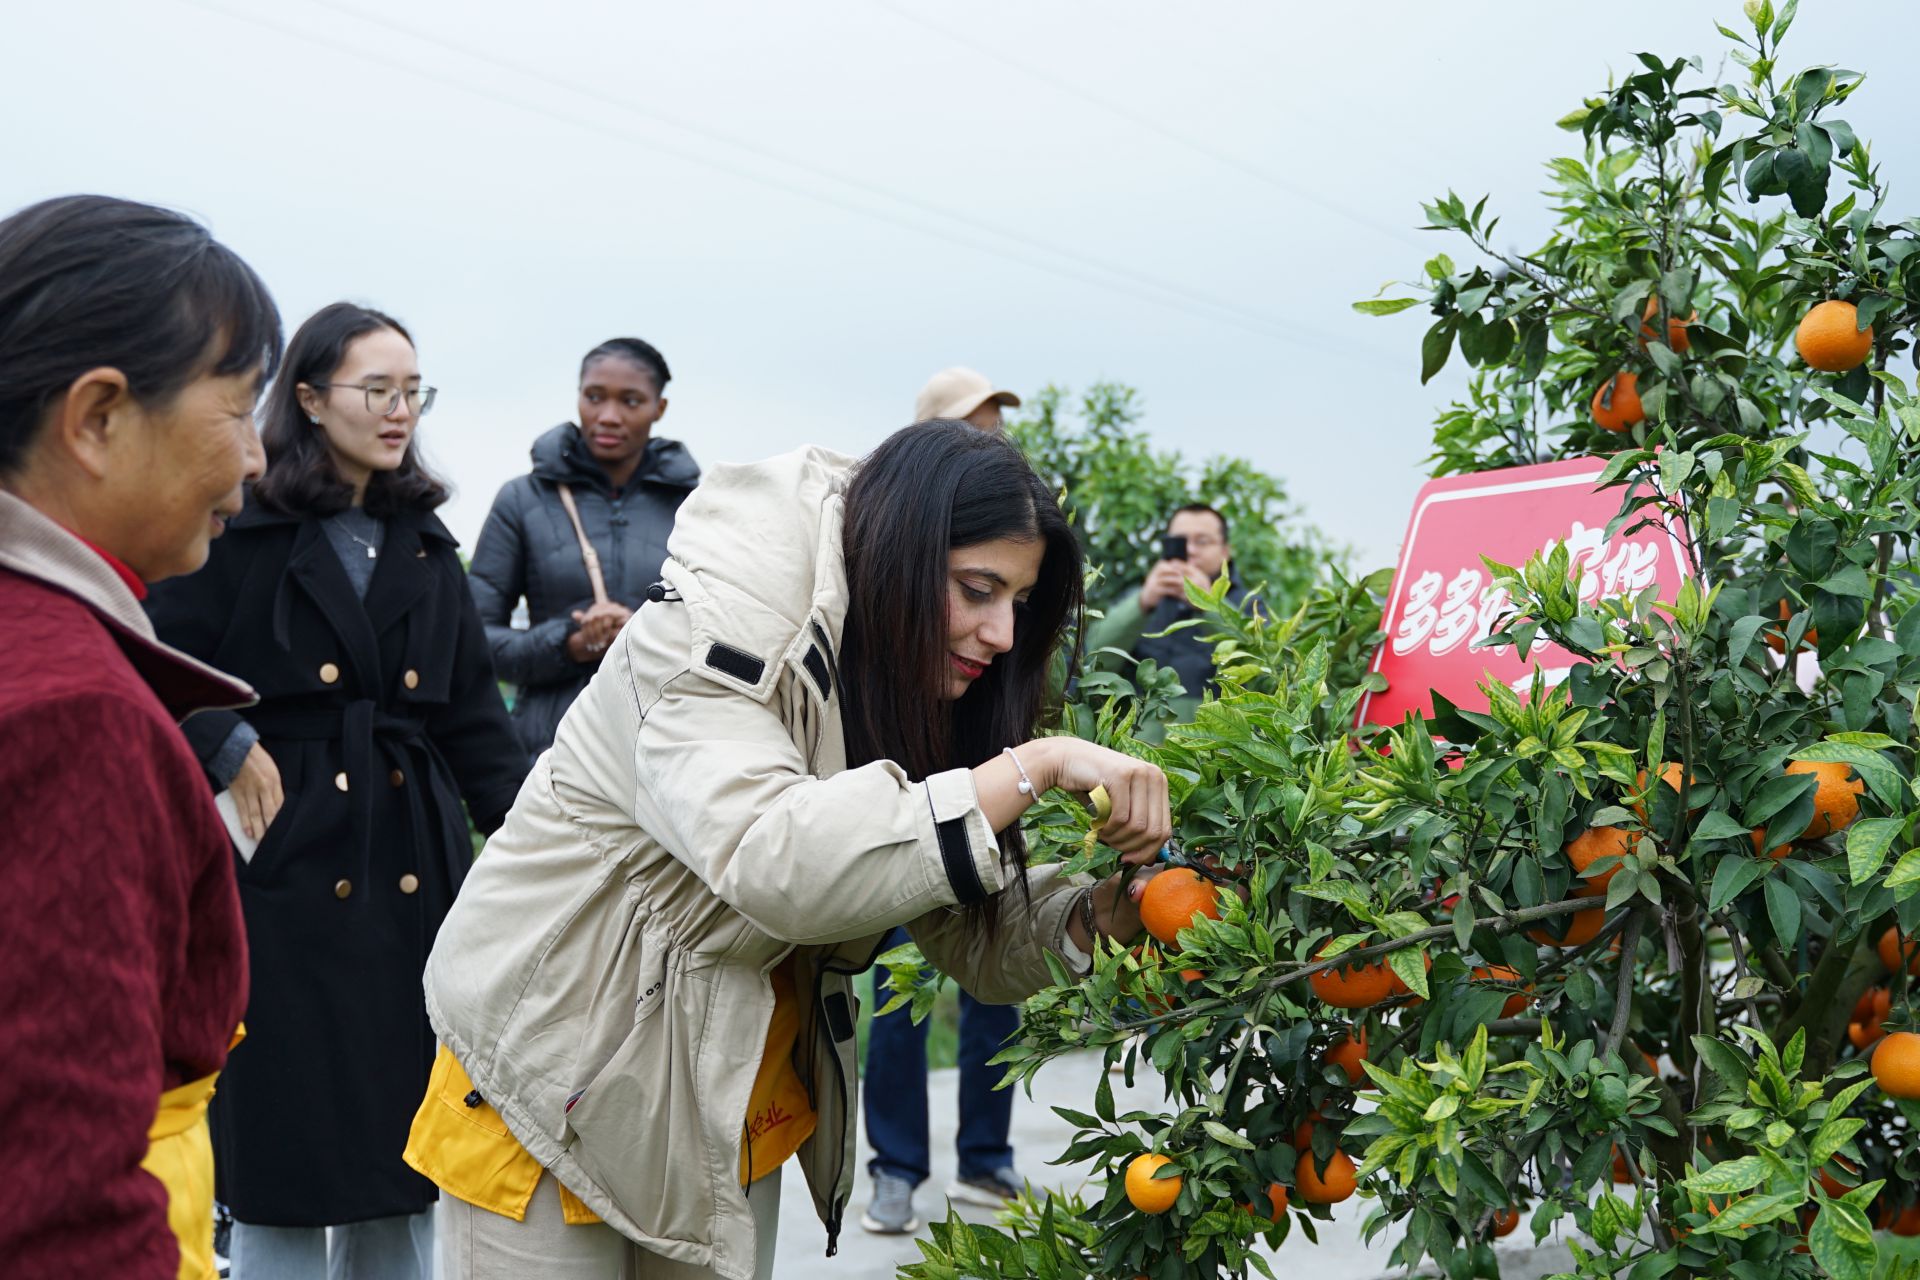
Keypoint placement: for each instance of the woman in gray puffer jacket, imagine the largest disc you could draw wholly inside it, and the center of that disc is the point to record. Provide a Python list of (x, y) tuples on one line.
[(626, 484)]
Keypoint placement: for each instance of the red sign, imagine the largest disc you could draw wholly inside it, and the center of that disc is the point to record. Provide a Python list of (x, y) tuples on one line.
[(1443, 599)]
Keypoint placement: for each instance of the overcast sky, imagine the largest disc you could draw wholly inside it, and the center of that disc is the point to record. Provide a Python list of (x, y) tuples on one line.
[(811, 207)]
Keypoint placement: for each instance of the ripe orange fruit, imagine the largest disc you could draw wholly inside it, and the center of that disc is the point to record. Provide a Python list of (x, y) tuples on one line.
[(1830, 337), (1348, 1052), (1870, 1012), (1576, 930), (1505, 1221), (1593, 844), (1516, 1003), (1330, 1186), (1893, 946), (1354, 986), (1776, 637), (1759, 838), (1896, 1065), (1276, 1201), (1836, 801), (1176, 898), (1905, 1222), (1676, 328), (1148, 1193), (1616, 405)]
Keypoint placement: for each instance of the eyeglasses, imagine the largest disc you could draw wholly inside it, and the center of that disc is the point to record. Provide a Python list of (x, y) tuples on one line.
[(382, 399)]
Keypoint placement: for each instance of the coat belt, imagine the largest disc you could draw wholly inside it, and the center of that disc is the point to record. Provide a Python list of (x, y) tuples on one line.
[(361, 727)]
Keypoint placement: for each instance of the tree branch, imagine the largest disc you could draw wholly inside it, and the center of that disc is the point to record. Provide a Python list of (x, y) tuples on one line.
[(1505, 924), (1623, 996)]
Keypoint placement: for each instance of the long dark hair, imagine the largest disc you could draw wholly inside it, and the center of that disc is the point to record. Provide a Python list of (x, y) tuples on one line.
[(927, 490), (301, 478), (91, 281)]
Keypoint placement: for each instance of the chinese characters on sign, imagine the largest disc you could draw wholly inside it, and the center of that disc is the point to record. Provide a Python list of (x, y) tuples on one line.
[(1443, 601)]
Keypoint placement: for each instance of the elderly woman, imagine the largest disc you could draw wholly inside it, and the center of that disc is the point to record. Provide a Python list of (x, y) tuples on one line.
[(132, 349)]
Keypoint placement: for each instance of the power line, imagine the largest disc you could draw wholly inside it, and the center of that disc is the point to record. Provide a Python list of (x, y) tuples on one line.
[(1122, 279), (1154, 124)]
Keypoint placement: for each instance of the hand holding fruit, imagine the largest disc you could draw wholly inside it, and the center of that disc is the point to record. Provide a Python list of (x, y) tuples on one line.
[(1140, 822)]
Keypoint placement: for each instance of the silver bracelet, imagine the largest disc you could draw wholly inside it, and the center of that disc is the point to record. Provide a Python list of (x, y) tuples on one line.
[(1025, 785)]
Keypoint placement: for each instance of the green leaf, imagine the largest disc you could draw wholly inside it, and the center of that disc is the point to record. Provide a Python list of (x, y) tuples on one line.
[(1867, 843), (1733, 1175), (1848, 580), (1385, 306), (1842, 1242), (1733, 877), (1740, 636), (1410, 964), (1225, 1136), (1434, 349), (1719, 825), (1775, 795), (1833, 1135), (1783, 908), (1723, 1060), (1906, 871)]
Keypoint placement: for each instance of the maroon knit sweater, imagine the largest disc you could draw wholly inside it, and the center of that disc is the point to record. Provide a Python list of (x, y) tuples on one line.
[(122, 955)]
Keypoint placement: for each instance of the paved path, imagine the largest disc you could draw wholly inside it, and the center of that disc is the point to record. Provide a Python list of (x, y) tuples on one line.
[(1038, 1136)]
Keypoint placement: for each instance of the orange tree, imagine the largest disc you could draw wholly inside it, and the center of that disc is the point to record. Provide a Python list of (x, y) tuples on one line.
[(1621, 955)]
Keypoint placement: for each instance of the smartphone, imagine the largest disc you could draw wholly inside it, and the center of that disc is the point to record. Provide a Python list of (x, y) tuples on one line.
[(1173, 547)]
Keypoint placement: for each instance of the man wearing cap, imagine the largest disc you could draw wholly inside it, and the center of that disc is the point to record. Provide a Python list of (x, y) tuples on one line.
[(965, 395), (896, 1114)]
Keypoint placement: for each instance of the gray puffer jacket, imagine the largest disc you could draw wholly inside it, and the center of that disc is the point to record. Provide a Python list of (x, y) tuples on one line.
[(527, 550)]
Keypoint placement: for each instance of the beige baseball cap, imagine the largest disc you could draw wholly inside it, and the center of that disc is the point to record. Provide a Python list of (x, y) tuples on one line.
[(957, 392)]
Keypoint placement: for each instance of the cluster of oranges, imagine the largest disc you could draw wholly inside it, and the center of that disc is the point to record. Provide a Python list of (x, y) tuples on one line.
[(1177, 898), (1829, 338)]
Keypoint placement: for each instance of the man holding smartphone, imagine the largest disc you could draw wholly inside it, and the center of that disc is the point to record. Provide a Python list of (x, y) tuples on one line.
[(1195, 549)]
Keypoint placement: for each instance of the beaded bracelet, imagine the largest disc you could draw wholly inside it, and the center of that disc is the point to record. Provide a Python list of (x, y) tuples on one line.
[(1025, 785)]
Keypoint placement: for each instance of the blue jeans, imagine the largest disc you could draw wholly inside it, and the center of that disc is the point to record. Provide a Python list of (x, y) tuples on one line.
[(399, 1248), (896, 1092)]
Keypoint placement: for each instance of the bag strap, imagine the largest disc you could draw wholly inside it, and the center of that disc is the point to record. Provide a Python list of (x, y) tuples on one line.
[(587, 553)]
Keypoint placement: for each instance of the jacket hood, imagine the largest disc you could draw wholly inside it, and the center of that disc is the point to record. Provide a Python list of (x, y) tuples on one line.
[(561, 457), (755, 553)]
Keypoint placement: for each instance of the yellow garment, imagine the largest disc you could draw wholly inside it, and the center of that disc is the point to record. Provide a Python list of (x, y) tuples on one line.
[(780, 1116), (180, 1155), (468, 1151)]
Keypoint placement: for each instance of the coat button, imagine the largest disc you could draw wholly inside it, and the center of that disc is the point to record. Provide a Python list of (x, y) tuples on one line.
[(411, 679), (341, 888), (409, 883), (340, 780), (397, 778), (329, 673)]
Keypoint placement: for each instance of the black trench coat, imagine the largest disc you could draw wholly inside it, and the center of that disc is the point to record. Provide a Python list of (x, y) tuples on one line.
[(382, 715)]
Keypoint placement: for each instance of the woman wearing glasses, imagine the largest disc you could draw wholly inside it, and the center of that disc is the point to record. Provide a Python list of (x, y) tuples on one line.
[(338, 595), (608, 484)]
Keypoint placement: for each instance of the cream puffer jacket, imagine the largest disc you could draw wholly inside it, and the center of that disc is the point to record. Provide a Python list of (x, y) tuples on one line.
[(603, 976)]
